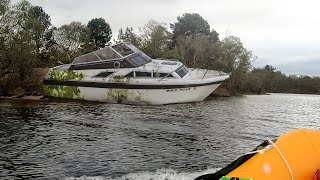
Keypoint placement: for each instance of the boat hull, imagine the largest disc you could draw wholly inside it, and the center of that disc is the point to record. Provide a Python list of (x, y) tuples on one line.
[(152, 96)]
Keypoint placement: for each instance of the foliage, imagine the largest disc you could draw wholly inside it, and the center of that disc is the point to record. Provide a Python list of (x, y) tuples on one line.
[(70, 40), (64, 91), (194, 41), (155, 39), (189, 24), (267, 79), (119, 79), (230, 56), (65, 75), (100, 32), (196, 51), (129, 36), (23, 27), (4, 6)]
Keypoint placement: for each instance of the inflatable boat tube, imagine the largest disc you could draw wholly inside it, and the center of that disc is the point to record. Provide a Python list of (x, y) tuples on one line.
[(294, 155)]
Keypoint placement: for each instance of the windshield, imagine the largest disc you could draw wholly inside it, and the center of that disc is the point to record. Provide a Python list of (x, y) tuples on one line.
[(102, 54), (123, 49), (182, 71)]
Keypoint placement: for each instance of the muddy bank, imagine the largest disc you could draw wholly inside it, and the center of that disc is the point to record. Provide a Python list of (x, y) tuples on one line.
[(12, 86), (221, 92)]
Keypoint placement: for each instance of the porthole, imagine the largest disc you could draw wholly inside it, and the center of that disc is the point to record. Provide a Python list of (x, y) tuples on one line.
[(116, 64)]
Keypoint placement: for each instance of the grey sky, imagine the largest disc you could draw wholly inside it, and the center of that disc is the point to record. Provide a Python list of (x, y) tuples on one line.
[(281, 33)]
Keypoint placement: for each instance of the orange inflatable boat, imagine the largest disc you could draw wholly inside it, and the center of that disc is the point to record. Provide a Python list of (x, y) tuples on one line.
[(294, 155)]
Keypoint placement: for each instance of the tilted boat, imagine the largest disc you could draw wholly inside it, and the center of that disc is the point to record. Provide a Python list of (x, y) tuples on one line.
[(124, 74), (293, 156)]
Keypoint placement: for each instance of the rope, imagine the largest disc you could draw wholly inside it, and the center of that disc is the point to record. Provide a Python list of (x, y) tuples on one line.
[(267, 148), (284, 159), (261, 151)]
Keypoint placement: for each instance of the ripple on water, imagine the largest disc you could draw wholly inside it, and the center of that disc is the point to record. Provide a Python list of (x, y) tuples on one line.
[(57, 140)]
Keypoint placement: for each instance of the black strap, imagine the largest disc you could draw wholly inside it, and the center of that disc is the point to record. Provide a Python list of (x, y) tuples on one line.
[(224, 171)]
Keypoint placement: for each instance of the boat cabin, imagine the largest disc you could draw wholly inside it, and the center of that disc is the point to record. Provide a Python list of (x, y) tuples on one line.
[(128, 61), (123, 55)]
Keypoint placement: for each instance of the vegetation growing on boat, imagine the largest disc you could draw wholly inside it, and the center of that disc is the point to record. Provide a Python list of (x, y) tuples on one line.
[(64, 91), (120, 79), (65, 75), (125, 96), (119, 95)]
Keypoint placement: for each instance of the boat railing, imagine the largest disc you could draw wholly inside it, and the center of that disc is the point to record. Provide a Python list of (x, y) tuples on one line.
[(167, 75), (205, 72)]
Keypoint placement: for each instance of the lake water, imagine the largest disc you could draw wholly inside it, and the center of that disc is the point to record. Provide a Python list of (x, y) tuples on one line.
[(81, 140)]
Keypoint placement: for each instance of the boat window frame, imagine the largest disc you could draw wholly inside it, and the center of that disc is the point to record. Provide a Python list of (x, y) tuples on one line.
[(112, 47), (180, 68), (169, 63), (96, 76), (94, 52), (129, 59), (165, 75), (135, 74), (89, 62)]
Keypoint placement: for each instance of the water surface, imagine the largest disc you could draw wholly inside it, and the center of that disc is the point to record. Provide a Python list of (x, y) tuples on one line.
[(67, 140)]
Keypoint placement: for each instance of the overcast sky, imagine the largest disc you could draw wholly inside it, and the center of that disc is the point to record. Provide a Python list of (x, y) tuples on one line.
[(283, 33)]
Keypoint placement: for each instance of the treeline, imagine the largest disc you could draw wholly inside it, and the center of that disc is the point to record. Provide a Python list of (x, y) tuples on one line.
[(28, 40), (267, 79)]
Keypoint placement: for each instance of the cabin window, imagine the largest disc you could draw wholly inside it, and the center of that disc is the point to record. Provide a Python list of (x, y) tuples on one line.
[(129, 75), (157, 74), (139, 60), (169, 63), (122, 49), (86, 58), (107, 53), (136, 50), (103, 74), (143, 74), (182, 71)]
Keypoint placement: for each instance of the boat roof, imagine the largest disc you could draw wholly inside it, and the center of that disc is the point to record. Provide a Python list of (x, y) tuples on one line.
[(110, 53)]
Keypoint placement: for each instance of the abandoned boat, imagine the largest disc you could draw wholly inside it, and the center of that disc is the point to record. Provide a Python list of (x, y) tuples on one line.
[(123, 74)]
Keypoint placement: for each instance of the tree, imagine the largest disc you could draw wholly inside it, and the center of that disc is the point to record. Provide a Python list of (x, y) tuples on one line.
[(22, 29), (129, 36), (41, 16), (214, 36), (70, 41), (4, 6), (4, 35), (23, 60), (269, 68), (195, 52), (100, 32), (193, 40), (155, 39), (189, 24), (233, 58), (38, 25)]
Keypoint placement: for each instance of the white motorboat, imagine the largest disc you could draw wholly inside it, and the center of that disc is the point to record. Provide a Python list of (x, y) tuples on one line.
[(123, 74)]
